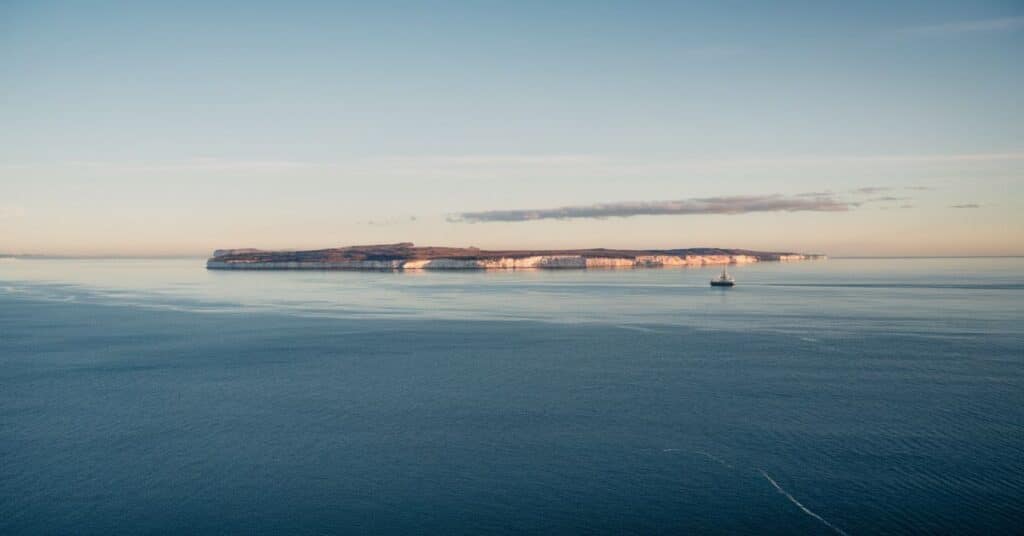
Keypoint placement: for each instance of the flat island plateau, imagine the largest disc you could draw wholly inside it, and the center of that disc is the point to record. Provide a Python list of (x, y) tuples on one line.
[(406, 256)]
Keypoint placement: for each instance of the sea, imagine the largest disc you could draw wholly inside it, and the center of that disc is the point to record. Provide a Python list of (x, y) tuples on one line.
[(840, 396)]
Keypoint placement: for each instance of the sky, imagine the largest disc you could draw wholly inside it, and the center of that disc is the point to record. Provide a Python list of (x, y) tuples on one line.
[(843, 128)]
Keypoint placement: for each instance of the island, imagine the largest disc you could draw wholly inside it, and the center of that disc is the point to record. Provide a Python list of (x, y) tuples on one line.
[(406, 256)]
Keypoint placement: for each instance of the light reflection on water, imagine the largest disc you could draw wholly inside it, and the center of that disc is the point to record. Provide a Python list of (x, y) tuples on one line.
[(940, 295)]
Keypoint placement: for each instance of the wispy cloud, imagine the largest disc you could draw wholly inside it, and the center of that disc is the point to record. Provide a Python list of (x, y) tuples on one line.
[(887, 158), (495, 166), (193, 164), (705, 205), (966, 205), (895, 207), (1001, 24), (886, 199), (868, 190), (490, 160), (392, 221), (920, 188)]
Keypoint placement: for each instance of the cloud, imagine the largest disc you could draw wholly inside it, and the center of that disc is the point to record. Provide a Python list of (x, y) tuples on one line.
[(489, 160), (391, 221), (189, 165), (920, 188), (867, 190), (888, 159), (870, 190), (705, 205), (503, 166), (966, 205), (886, 199), (1001, 24)]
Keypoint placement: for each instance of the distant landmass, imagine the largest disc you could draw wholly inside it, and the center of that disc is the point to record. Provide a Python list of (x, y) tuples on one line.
[(406, 256)]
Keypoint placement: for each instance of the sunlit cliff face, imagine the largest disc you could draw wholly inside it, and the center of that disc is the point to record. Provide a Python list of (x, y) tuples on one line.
[(501, 263)]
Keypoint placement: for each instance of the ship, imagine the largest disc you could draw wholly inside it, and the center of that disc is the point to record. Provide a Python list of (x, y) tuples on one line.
[(723, 280)]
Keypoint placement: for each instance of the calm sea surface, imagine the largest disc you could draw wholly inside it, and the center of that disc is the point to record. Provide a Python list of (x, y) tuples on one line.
[(851, 396)]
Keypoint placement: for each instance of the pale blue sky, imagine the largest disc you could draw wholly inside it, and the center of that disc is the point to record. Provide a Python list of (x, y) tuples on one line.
[(142, 128)]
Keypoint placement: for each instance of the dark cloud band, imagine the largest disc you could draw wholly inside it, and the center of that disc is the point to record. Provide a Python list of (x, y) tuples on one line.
[(705, 205)]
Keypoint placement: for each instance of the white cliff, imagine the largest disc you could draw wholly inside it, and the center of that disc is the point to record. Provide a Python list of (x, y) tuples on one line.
[(532, 262)]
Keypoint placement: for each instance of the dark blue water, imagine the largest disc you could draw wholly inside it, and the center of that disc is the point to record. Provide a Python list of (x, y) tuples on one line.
[(847, 396)]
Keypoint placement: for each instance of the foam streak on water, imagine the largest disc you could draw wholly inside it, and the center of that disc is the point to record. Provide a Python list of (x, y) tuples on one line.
[(799, 504)]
